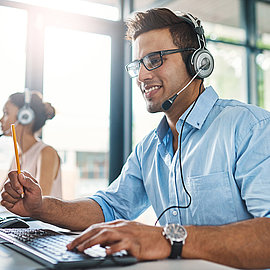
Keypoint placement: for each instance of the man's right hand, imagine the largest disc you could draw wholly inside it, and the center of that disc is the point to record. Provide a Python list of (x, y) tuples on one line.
[(22, 195)]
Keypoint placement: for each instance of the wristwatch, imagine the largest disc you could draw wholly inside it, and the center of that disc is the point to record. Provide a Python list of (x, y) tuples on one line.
[(176, 235)]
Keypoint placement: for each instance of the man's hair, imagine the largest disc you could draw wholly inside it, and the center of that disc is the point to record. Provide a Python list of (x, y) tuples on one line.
[(183, 34)]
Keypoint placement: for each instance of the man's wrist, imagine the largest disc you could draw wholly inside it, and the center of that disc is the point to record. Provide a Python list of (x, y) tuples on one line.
[(39, 211), (176, 235)]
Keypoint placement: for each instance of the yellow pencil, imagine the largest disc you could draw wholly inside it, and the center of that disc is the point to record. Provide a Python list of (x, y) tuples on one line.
[(16, 151)]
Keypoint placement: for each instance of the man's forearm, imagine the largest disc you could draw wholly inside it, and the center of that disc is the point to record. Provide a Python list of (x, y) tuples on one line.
[(74, 215), (244, 244)]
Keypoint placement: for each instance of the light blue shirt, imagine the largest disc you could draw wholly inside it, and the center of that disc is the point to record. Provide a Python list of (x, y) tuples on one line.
[(225, 161)]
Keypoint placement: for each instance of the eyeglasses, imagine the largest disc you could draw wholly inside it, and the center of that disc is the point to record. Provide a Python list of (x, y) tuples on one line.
[(151, 61)]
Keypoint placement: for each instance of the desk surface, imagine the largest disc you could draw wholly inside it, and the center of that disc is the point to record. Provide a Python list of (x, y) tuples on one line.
[(13, 260)]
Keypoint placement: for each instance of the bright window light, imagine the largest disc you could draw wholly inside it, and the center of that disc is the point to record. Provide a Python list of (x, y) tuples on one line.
[(81, 7)]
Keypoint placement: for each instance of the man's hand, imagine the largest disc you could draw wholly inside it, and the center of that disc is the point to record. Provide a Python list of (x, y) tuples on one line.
[(22, 194), (141, 241)]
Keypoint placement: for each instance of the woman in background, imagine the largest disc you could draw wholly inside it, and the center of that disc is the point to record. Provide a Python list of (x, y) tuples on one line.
[(36, 157)]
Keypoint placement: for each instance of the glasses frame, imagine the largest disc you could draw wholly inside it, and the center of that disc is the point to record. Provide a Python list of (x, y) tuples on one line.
[(161, 54)]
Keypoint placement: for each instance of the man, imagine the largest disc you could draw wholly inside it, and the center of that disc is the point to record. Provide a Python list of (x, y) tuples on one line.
[(219, 187)]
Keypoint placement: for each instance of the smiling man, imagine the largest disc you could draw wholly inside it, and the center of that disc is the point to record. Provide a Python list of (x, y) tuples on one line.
[(205, 169)]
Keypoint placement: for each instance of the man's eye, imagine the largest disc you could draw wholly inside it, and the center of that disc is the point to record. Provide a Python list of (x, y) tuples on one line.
[(155, 61)]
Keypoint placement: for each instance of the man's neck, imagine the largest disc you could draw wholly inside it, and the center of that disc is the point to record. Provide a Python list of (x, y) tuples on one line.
[(181, 104)]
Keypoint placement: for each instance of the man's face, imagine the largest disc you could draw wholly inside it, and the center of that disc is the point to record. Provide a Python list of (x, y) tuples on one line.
[(159, 84)]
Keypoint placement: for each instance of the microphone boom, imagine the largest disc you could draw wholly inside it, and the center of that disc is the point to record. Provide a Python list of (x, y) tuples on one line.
[(166, 105)]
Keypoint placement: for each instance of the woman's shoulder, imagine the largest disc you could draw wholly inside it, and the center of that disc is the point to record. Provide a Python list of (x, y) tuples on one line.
[(44, 150), (48, 150)]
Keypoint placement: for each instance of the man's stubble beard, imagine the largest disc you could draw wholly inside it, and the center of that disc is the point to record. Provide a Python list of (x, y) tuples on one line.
[(153, 108)]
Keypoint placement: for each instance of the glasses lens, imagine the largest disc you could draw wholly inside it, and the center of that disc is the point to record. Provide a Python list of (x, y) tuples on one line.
[(133, 69), (152, 60)]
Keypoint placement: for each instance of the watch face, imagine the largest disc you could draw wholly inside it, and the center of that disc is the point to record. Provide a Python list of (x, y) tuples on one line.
[(176, 232)]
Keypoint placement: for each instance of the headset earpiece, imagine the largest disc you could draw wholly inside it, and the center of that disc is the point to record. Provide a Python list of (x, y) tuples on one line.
[(201, 61), (26, 115)]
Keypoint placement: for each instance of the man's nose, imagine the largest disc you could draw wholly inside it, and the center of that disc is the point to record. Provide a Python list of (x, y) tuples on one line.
[(144, 73)]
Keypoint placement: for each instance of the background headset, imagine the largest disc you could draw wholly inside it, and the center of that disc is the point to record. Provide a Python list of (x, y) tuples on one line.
[(26, 115)]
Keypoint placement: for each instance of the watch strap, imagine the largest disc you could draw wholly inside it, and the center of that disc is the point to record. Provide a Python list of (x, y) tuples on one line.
[(176, 250)]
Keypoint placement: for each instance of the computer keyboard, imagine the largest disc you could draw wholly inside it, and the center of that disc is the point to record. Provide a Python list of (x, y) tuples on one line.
[(49, 248)]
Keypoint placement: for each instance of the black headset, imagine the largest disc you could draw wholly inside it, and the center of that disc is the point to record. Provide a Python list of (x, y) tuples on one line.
[(201, 60), (26, 115)]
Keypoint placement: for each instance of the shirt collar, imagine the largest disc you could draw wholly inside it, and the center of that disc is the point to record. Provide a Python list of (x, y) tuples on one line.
[(197, 116), (202, 108), (162, 128)]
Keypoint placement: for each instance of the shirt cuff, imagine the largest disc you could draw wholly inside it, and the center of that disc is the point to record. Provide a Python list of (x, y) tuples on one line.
[(106, 208)]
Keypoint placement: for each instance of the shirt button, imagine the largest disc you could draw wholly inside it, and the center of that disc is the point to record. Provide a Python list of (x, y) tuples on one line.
[(174, 213)]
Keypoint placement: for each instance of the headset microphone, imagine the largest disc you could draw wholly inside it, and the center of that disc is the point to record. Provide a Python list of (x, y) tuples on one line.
[(166, 105)]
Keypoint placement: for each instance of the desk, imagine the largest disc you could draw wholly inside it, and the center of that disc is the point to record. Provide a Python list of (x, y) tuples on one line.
[(13, 260)]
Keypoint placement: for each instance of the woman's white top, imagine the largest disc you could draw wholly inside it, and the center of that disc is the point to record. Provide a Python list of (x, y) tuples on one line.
[(30, 162)]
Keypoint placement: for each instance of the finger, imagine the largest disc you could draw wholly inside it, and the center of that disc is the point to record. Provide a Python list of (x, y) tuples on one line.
[(91, 231), (26, 180), (104, 236), (27, 174), (16, 185), (7, 205), (121, 224), (8, 198), (82, 237), (11, 191), (124, 244), (116, 222)]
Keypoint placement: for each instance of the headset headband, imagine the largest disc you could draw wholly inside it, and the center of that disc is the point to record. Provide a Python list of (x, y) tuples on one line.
[(201, 57), (196, 25)]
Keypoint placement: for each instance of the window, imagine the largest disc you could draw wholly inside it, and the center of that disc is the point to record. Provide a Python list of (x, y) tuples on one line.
[(263, 66), (217, 16), (100, 9), (77, 83), (263, 58), (228, 77), (263, 25), (13, 25)]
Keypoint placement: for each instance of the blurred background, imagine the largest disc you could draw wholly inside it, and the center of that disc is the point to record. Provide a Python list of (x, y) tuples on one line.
[(74, 52)]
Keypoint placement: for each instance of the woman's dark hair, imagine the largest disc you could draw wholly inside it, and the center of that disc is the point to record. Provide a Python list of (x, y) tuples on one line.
[(183, 35), (43, 110)]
